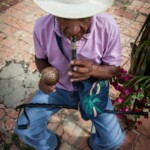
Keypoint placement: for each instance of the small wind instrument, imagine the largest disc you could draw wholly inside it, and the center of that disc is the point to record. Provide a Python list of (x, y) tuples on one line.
[(73, 48)]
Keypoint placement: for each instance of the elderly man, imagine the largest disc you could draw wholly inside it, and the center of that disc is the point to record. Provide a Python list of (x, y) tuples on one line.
[(98, 57)]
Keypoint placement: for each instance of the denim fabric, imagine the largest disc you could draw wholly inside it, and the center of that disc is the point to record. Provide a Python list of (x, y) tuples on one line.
[(108, 134)]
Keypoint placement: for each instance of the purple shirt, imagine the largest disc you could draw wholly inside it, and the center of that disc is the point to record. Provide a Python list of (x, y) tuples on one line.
[(100, 45)]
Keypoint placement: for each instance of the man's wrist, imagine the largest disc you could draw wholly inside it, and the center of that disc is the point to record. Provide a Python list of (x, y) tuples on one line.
[(94, 68)]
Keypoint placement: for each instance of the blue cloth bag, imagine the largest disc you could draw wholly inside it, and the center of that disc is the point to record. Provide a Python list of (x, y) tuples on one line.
[(93, 95)]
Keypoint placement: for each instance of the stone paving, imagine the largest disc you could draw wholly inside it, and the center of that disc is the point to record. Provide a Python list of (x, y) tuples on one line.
[(19, 76)]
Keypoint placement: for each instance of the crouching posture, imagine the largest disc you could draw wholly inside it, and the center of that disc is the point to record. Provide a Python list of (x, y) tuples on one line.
[(83, 44)]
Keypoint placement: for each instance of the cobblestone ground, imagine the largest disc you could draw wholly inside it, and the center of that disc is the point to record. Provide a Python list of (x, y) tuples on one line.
[(17, 18)]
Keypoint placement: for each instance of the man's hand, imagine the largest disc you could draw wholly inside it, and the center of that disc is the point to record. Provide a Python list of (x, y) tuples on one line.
[(45, 88), (80, 70), (83, 69)]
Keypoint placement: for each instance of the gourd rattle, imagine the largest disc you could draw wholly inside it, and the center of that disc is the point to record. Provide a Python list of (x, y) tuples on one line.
[(50, 75)]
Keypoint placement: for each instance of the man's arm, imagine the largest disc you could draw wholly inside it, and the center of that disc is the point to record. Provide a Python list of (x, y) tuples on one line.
[(104, 71), (41, 63), (83, 69)]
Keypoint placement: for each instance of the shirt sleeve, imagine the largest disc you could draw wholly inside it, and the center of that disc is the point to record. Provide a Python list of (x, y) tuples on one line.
[(112, 49), (37, 37)]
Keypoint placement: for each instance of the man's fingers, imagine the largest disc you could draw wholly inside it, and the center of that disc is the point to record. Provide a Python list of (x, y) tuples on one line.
[(79, 62), (81, 66), (77, 74), (45, 88), (79, 79), (48, 90), (51, 88), (82, 69)]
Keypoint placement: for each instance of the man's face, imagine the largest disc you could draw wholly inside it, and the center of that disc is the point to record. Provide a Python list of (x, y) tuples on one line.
[(74, 27)]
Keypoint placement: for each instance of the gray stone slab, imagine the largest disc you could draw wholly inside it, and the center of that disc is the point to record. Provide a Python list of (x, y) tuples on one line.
[(16, 84), (15, 97), (11, 71), (4, 90)]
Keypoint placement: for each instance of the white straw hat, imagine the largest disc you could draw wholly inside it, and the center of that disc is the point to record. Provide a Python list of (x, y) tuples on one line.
[(74, 8)]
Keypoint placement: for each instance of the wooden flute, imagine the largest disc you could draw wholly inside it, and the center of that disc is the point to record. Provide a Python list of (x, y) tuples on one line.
[(73, 48)]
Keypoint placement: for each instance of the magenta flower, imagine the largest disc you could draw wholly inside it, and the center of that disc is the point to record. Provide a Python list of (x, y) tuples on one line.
[(126, 109), (116, 86), (126, 78), (135, 127), (136, 110), (130, 88), (113, 102), (139, 122), (143, 100), (138, 90), (113, 83), (120, 99), (122, 70), (126, 91), (120, 76)]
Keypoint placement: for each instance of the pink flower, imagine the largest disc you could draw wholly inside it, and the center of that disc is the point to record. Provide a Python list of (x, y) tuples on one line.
[(122, 70), (126, 109), (143, 100), (120, 76), (138, 90), (119, 115), (136, 110), (141, 103), (139, 122), (113, 102), (120, 99), (126, 78), (135, 127), (126, 91), (113, 83), (116, 86)]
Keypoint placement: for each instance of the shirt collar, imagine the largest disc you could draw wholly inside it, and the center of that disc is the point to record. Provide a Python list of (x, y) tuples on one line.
[(57, 28), (85, 36), (89, 35)]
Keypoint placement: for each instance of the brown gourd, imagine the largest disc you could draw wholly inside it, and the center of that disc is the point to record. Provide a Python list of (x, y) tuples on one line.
[(50, 75)]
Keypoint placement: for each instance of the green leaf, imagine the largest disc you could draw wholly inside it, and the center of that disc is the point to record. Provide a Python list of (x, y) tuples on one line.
[(147, 81), (132, 101), (140, 96), (133, 97), (141, 78), (136, 86), (96, 100), (147, 87)]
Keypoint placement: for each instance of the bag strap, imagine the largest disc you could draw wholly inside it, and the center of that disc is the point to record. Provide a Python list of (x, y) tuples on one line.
[(59, 42)]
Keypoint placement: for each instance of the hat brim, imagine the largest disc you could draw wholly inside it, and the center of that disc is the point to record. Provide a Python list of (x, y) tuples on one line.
[(74, 11)]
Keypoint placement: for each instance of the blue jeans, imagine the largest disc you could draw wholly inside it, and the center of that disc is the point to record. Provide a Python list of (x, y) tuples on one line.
[(108, 136)]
